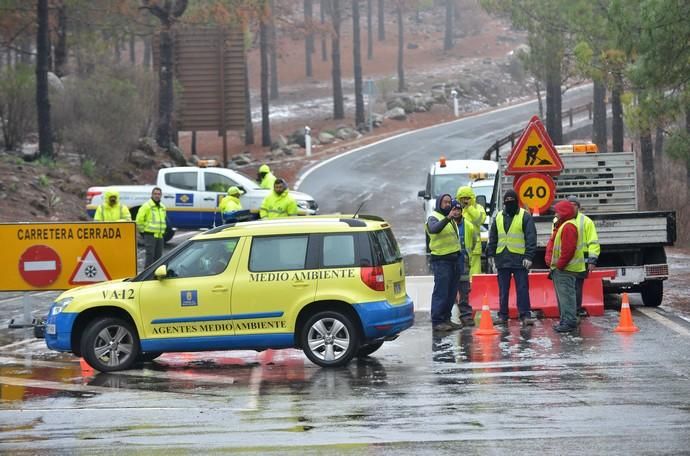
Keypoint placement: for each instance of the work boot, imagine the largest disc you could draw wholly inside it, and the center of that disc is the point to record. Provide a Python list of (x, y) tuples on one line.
[(500, 321), (526, 321), (582, 312), (564, 328), (445, 326), (467, 321), (455, 325)]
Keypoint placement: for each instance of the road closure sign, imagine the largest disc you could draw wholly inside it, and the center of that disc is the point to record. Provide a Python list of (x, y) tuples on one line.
[(59, 256)]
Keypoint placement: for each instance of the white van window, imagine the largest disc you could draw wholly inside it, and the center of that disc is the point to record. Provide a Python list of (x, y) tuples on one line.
[(183, 180)]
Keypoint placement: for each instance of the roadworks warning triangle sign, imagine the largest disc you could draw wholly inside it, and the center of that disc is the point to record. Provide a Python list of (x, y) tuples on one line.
[(89, 269), (534, 152)]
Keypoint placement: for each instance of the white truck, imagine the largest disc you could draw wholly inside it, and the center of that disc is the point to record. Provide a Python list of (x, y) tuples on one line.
[(191, 196), (445, 176), (632, 241)]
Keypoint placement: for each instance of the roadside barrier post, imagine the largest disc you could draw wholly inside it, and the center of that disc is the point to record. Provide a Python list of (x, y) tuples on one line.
[(307, 140), (456, 108)]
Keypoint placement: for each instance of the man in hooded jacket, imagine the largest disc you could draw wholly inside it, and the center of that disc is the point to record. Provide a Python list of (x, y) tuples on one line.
[(444, 243), (230, 203), (474, 215), (511, 249), (278, 203), (112, 210), (266, 178), (565, 257)]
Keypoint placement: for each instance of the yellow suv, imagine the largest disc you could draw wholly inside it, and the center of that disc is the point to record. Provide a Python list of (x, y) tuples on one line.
[(333, 286)]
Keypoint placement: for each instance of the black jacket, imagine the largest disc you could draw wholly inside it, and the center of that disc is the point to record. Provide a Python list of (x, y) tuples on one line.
[(508, 259)]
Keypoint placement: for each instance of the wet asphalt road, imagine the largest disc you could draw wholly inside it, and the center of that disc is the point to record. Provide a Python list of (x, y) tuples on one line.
[(524, 391), (597, 392)]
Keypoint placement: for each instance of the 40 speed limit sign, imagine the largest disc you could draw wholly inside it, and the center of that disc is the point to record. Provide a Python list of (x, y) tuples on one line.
[(535, 191)]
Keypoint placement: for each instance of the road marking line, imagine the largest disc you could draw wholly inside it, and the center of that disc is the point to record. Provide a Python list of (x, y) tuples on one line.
[(27, 382), (653, 314)]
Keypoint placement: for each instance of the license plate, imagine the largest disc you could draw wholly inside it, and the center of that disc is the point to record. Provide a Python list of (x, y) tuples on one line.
[(397, 288), (50, 329)]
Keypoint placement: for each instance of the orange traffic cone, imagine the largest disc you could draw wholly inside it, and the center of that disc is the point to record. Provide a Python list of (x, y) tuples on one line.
[(86, 369), (486, 325), (626, 322), (535, 212)]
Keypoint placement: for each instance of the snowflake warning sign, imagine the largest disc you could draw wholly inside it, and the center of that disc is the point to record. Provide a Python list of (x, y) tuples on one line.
[(89, 269)]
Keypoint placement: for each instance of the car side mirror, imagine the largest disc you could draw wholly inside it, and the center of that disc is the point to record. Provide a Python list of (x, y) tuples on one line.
[(423, 194), (161, 272), (481, 199)]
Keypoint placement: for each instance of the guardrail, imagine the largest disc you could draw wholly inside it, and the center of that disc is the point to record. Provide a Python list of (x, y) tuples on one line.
[(513, 136)]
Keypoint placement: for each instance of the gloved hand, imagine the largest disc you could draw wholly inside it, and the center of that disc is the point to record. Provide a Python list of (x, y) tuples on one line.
[(590, 267), (492, 264), (526, 263)]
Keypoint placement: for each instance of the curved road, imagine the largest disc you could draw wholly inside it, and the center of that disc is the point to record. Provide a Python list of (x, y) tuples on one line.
[(388, 174)]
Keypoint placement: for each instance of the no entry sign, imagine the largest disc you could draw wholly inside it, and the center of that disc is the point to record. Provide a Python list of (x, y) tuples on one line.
[(39, 265)]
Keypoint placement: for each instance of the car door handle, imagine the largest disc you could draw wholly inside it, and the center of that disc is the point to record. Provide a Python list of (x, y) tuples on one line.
[(300, 284), (209, 199), (219, 289)]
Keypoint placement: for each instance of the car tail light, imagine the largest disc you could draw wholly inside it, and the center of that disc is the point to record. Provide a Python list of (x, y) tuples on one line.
[(90, 194), (373, 277)]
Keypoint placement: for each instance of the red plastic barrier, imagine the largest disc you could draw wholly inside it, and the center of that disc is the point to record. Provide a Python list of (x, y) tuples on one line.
[(541, 293)]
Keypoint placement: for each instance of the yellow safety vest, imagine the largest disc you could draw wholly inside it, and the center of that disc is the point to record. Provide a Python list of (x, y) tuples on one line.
[(475, 216), (577, 262), (151, 219), (590, 239), (514, 239), (445, 242)]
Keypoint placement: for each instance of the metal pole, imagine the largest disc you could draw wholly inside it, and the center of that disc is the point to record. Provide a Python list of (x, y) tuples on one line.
[(370, 98), (456, 108), (307, 140)]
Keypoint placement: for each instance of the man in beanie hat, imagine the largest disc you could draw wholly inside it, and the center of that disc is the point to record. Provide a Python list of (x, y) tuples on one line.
[(511, 249)]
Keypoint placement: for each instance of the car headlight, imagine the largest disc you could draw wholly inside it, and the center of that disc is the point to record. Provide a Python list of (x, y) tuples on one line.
[(60, 305), (303, 204)]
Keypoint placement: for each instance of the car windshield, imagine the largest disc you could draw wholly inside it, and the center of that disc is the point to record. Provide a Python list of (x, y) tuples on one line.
[(448, 183)]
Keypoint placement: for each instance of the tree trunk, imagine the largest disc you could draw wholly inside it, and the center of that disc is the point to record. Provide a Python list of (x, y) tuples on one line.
[(309, 39), (540, 101), (274, 52), (338, 108), (116, 47), (599, 134), (648, 176), (401, 42), (617, 127), (132, 49), (554, 124), (357, 62), (325, 5), (658, 144), (448, 41), (370, 30), (50, 51), (263, 50), (382, 29), (248, 124), (45, 132), (61, 43), (165, 88), (147, 51)]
